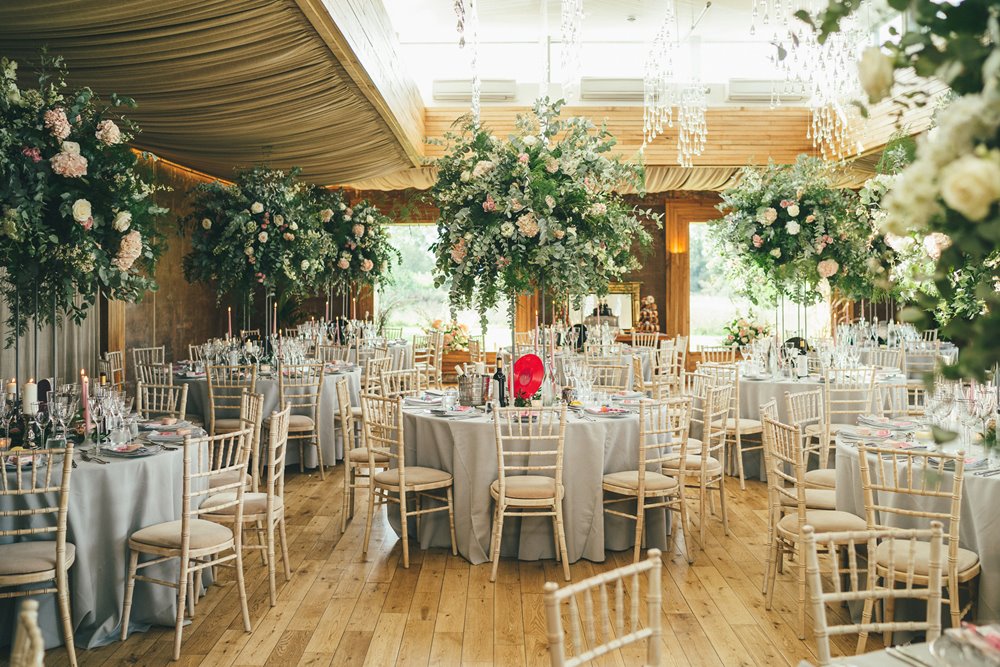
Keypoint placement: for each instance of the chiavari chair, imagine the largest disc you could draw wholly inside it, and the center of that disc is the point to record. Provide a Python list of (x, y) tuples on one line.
[(249, 333), (392, 333), (805, 411), (477, 349), (610, 377), (196, 542), (907, 547), (301, 386), (113, 365), (769, 410), (330, 353), (355, 458), (921, 361), (717, 354), (154, 373), (402, 383), (586, 643), (161, 400), (142, 356), (648, 339), (638, 383), (530, 473), (906, 486), (383, 424), (930, 335), (226, 385), (251, 416), (660, 422), (195, 353), (524, 338), (39, 481), (735, 426), (886, 357), (847, 393)]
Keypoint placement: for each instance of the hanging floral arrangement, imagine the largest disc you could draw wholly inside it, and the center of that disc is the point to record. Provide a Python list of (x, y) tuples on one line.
[(77, 216), (537, 209), (257, 232)]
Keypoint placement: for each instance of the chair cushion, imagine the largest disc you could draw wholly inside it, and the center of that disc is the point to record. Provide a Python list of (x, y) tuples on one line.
[(823, 521), (253, 503), (360, 455), (204, 534), (966, 560), (227, 425), (694, 446), (32, 557), (415, 476), (529, 487), (822, 478), (693, 466), (629, 479), (300, 423), (816, 499), (228, 477), (746, 425)]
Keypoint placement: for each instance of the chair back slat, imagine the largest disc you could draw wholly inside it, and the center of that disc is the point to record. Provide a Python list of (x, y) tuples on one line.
[(277, 446), (159, 400), (154, 373), (374, 368), (36, 483), (407, 382), (645, 339), (148, 356), (382, 417), (222, 458), (610, 376), (718, 354), (529, 441), (301, 386), (345, 415), (226, 385), (330, 353)]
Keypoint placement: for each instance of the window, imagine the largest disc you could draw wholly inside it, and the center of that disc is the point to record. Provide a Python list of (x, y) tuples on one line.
[(714, 301), (413, 302)]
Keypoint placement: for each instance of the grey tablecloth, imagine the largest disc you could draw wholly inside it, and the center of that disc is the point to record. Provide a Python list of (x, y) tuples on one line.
[(107, 504), (333, 449), (882, 659), (402, 356), (979, 530), (467, 449), (946, 351)]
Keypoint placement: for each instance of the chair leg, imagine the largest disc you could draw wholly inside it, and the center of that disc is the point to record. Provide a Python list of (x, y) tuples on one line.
[(190, 594), (739, 460), (640, 515), (62, 593), (371, 517), (722, 504), (416, 507), (555, 537), (133, 565), (772, 563), (889, 614), (497, 535), (684, 523), (319, 456), (955, 601), (802, 593), (770, 539), (181, 599), (866, 617), (562, 540), (348, 499), (451, 522), (702, 509), (302, 456), (269, 548), (284, 547), (404, 522), (241, 585)]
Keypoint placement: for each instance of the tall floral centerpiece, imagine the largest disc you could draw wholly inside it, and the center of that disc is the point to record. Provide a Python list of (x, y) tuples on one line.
[(361, 252), (76, 211), (539, 209), (789, 225), (951, 190), (256, 232)]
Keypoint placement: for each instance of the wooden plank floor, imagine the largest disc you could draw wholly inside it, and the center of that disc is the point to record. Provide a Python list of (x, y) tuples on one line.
[(341, 610)]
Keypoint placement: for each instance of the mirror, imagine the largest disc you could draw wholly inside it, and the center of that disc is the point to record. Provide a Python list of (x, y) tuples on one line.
[(619, 307)]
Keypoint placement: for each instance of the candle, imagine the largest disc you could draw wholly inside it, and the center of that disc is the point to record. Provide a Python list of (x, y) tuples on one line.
[(12, 389), (29, 397), (229, 315), (327, 310), (85, 395), (354, 307), (274, 321)]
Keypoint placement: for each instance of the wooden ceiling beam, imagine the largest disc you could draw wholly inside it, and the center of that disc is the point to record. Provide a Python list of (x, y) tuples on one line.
[(359, 34)]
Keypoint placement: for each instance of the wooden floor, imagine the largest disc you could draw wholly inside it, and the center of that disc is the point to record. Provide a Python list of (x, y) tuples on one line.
[(341, 610)]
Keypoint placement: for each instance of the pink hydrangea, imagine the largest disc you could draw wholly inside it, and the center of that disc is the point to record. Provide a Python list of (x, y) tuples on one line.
[(359, 230), (129, 251), (344, 263), (68, 162), (108, 133), (528, 225), (33, 153), (523, 158), (827, 268), (489, 205), (57, 123)]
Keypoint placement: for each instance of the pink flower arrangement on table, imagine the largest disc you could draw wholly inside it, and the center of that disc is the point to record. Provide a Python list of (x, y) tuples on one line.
[(456, 336), (744, 331)]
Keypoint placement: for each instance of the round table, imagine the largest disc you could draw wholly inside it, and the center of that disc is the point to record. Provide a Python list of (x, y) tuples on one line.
[(467, 449), (979, 530), (107, 504), (401, 353), (333, 448)]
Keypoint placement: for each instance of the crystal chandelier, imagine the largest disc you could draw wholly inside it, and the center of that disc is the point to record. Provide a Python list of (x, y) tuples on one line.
[(467, 14), (570, 43), (662, 91)]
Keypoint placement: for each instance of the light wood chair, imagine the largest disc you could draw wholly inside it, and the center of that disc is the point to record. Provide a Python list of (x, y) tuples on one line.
[(374, 368), (769, 410), (263, 512), (587, 644), (610, 377), (329, 353), (919, 362), (143, 356), (301, 386), (392, 333), (717, 354), (154, 373), (524, 338), (529, 474), (911, 548), (788, 466), (638, 382), (645, 339), (226, 385), (659, 422), (29, 559), (114, 365), (195, 541), (384, 436), (477, 349), (703, 469), (249, 333), (886, 357), (907, 486), (252, 417), (930, 335), (195, 353), (161, 400), (847, 393), (805, 411), (432, 368), (28, 649), (394, 384), (355, 458), (735, 426)]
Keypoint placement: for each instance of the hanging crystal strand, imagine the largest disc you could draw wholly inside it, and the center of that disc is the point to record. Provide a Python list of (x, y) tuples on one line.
[(658, 77), (467, 13), (572, 39)]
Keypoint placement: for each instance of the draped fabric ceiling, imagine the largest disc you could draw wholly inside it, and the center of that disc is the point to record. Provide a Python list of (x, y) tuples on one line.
[(220, 83)]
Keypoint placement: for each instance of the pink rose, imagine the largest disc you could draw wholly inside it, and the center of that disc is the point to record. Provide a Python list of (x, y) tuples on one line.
[(68, 162), (489, 205), (33, 153), (57, 123), (503, 262), (359, 230), (367, 265), (344, 263), (352, 245), (827, 268), (87, 224), (810, 217), (458, 251), (523, 158), (757, 241), (108, 133)]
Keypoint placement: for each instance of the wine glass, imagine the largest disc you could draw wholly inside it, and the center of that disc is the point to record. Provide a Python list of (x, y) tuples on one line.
[(42, 419)]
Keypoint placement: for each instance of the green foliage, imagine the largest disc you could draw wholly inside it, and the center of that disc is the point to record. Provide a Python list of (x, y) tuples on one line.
[(77, 216)]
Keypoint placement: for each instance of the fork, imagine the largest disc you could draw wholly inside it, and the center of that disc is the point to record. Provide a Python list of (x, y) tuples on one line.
[(92, 459)]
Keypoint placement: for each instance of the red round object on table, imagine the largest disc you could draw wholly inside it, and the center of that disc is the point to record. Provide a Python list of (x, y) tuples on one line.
[(528, 373)]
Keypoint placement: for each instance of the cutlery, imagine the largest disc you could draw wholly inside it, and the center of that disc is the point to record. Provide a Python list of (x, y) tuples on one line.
[(92, 459), (988, 473)]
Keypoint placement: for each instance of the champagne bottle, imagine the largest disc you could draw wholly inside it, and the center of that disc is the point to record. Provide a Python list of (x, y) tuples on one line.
[(500, 384)]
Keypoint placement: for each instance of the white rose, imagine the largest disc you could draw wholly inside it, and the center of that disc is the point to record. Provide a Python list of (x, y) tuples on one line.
[(507, 229), (206, 223), (793, 210), (305, 265), (70, 147), (262, 237), (776, 253), (970, 185), (256, 207), (122, 221), (465, 176), (81, 210), (279, 219), (792, 227), (530, 140), (875, 72), (294, 226), (248, 250)]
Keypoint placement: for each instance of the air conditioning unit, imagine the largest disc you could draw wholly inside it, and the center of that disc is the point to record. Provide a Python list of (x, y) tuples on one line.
[(460, 90), (760, 90), (611, 90)]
